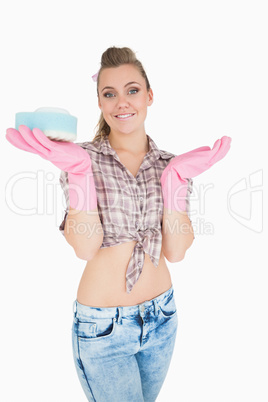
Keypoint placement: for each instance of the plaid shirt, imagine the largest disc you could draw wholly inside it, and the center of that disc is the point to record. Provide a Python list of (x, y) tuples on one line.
[(130, 208)]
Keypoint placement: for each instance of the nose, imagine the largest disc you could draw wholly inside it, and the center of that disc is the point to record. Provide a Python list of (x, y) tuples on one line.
[(122, 101)]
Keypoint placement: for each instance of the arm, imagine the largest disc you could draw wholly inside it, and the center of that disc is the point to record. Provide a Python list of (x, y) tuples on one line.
[(177, 234), (83, 231), (177, 231)]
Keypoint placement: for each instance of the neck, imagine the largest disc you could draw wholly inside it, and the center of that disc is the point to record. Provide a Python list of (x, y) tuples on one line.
[(133, 143)]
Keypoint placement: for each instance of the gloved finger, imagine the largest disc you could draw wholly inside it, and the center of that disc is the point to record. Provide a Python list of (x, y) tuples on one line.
[(43, 139), (224, 146), (16, 139), (181, 158), (205, 148), (216, 146), (28, 136), (57, 149)]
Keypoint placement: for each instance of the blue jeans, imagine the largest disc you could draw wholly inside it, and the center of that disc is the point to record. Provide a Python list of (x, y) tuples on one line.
[(122, 354)]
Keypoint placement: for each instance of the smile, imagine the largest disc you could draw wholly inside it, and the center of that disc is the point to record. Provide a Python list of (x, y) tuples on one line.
[(124, 116)]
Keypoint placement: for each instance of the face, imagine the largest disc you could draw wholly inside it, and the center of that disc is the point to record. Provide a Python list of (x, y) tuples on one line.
[(124, 98)]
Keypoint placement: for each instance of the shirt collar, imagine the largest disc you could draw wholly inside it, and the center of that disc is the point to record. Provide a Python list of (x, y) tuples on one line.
[(153, 154)]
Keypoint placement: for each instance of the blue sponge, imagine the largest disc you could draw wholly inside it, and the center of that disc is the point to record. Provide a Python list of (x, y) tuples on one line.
[(57, 124)]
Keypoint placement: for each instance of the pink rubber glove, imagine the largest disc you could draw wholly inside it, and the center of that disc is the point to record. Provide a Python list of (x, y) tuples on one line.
[(67, 156), (174, 177)]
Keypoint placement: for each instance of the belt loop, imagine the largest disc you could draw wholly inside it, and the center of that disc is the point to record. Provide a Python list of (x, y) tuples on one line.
[(74, 308), (156, 307), (119, 319)]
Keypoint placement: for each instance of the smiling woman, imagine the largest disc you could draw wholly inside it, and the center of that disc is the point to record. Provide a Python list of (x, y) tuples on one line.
[(124, 101), (113, 58), (127, 213), (125, 318)]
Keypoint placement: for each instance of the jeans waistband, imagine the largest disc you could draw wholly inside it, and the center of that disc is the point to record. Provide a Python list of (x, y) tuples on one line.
[(83, 311)]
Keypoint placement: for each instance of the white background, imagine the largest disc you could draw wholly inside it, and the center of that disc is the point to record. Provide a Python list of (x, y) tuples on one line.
[(207, 64)]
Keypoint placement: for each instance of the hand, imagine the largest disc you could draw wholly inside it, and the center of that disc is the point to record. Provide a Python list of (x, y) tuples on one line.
[(67, 156), (186, 166), (193, 163)]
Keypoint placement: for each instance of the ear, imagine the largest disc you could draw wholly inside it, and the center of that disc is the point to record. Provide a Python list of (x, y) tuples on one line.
[(150, 97)]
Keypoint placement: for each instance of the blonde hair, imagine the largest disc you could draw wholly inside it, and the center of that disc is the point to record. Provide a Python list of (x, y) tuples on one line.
[(115, 57)]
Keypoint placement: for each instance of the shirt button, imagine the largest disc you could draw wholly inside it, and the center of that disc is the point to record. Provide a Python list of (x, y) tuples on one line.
[(138, 178), (139, 264), (141, 199)]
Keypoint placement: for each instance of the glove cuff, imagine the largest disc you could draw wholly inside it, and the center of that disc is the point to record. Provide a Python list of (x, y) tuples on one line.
[(82, 191), (174, 190)]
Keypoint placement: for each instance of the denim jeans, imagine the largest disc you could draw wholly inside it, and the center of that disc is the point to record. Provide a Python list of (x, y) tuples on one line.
[(122, 354)]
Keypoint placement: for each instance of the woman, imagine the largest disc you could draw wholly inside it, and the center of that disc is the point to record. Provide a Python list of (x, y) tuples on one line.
[(127, 204)]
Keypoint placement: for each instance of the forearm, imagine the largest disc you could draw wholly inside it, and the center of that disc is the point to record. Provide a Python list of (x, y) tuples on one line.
[(177, 234), (83, 231)]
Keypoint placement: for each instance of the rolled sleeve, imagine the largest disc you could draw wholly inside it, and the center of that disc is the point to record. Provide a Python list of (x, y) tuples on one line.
[(65, 187)]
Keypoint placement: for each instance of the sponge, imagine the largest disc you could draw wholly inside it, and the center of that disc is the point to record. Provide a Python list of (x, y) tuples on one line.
[(56, 124)]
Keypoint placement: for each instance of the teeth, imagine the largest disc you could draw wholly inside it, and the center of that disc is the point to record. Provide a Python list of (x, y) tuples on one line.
[(124, 115)]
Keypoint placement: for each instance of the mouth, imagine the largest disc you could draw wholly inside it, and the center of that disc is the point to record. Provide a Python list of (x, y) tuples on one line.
[(125, 116)]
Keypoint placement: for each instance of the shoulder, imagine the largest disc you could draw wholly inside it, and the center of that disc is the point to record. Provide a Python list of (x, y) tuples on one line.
[(159, 154), (89, 146), (166, 154)]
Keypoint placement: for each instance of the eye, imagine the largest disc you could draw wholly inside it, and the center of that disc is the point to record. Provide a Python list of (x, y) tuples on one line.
[(133, 91), (108, 95)]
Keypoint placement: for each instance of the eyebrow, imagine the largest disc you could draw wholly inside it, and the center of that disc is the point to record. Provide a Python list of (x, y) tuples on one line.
[(129, 83)]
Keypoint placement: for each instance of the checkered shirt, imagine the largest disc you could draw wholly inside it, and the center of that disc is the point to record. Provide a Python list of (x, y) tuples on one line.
[(130, 208)]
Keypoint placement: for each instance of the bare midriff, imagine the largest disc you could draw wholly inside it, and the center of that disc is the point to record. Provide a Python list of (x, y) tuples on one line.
[(103, 283)]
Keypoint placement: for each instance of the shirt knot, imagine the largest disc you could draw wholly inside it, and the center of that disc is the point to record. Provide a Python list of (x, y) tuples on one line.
[(147, 242)]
